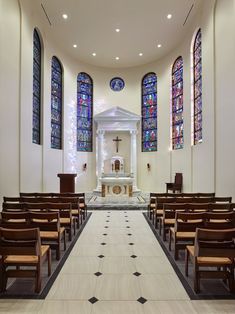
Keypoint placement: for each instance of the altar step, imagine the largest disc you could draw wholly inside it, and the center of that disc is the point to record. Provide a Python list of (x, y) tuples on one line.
[(117, 203)]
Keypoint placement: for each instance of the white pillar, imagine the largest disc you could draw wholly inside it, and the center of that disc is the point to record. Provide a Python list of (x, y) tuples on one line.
[(99, 159), (134, 158)]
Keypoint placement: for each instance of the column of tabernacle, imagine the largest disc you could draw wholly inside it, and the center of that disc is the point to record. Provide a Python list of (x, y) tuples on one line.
[(134, 158), (100, 162)]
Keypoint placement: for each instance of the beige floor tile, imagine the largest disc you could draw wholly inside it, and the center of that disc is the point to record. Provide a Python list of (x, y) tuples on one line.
[(117, 265), (162, 287), (117, 307), (20, 306), (81, 265), (86, 250), (148, 250), (169, 307), (73, 287), (117, 250), (214, 306), (153, 265), (65, 307), (117, 287)]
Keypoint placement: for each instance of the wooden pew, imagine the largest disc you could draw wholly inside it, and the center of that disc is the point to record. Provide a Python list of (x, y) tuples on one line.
[(22, 248), (212, 249)]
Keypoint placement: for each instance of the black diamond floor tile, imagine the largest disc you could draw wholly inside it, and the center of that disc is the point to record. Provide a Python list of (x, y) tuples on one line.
[(129, 234), (137, 274), (106, 226), (131, 243), (133, 256), (103, 243), (142, 300), (107, 220), (99, 274), (93, 300), (101, 256), (127, 220), (128, 226), (105, 234)]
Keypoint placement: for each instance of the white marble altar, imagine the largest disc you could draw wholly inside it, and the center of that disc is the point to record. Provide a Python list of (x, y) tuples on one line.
[(116, 119)]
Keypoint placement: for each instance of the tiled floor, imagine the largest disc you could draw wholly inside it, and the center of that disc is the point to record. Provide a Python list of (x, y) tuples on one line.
[(117, 266)]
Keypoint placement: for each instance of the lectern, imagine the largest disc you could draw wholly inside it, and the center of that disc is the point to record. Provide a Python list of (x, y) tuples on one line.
[(67, 182)]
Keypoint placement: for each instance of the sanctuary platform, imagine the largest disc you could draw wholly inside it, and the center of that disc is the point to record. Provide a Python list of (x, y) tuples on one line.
[(118, 203)]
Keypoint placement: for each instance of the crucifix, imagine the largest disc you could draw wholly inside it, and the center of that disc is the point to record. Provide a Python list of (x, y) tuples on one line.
[(117, 140)]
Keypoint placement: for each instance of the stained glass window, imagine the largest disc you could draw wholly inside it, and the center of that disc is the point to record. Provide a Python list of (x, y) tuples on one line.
[(149, 113), (197, 88), (37, 59), (177, 104), (56, 103), (84, 112)]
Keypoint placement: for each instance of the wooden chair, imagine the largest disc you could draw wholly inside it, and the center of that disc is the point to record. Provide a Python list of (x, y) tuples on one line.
[(212, 249), (50, 230), (177, 185), (184, 230), (13, 207), (65, 214), (22, 248)]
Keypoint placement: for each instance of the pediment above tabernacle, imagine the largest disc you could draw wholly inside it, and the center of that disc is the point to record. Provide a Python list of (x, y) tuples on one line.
[(116, 114)]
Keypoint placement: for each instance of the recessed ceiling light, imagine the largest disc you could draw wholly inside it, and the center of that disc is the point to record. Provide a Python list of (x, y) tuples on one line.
[(117, 58), (65, 16), (117, 30), (93, 54), (159, 45), (140, 54), (169, 16), (74, 46)]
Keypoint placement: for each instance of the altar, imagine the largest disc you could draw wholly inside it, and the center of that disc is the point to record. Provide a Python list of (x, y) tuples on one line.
[(116, 153)]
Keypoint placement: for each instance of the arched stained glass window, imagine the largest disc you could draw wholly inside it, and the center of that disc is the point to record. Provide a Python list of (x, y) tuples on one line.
[(56, 103), (197, 88), (177, 104), (149, 113), (37, 64), (84, 112)]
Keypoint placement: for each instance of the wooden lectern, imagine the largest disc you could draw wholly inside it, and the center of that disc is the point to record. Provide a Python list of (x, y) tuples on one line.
[(67, 182)]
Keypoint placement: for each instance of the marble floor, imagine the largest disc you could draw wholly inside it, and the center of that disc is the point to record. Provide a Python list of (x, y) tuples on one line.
[(117, 266)]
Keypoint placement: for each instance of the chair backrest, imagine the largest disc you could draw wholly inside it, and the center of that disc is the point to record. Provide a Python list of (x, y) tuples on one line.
[(13, 207), (170, 209), (215, 243), (10, 199), (205, 194), (220, 207), (45, 221), (215, 220), (198, 207), (12, 220), (222, 199), (20, 242), (185, 221), (35, 194), (47, 206), (160, 201), (179, 178)]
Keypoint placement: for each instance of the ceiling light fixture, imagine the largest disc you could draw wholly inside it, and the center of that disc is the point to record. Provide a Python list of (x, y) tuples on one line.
[(117, 58), (117, 30), (159, 45), (140, 54), (74, 46), (93, 54), (169, 16), (65, 16)]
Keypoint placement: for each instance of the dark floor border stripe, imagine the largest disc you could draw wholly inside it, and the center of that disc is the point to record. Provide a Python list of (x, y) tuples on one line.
[(192, 295), (53, 277)]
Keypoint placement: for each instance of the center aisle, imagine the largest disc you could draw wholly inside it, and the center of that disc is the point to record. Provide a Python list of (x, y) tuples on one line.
[(117, 261)]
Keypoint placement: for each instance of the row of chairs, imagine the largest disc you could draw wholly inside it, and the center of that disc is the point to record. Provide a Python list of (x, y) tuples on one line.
[(203, 226), (33, 224)]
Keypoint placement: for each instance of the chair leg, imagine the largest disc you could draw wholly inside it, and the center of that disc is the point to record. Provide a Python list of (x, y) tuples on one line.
[(49, 261), (176, 252), (186, 261), (196, 278), (4, 279), (170, 236), (38, 283)]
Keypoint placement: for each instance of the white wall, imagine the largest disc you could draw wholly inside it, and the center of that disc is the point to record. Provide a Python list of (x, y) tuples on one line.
[(28, 167)]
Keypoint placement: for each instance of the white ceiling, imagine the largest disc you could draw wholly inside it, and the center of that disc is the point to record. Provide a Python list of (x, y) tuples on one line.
[(143, 25)]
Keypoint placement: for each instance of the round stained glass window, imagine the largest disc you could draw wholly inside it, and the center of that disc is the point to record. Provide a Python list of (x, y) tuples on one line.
[(117, 84)]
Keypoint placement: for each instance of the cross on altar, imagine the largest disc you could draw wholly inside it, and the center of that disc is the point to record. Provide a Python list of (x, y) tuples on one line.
[(117, 140)]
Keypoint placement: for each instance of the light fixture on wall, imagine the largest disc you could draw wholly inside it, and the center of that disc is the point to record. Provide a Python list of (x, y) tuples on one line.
[(148, 167)]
